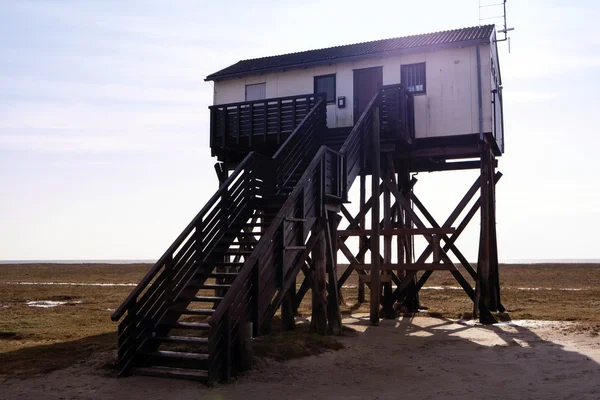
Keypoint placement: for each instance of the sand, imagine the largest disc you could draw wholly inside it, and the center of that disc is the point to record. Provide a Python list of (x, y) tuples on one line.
[(415, 358)]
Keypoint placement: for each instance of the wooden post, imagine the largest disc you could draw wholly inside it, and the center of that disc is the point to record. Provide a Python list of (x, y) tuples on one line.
[(334, 316), (318, 322), (411, 303), (375, 253), (288, 321), (481, 301), (387, 311), (362, 240)]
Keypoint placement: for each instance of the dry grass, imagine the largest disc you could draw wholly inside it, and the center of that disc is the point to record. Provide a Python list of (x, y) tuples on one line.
[(61, 336)]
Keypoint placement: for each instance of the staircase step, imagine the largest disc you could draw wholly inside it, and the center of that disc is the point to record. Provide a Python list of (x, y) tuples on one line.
[(189, 325), (235, 232), (181, 339), (177, 355), (228, 264), (234, 252), (206, 299), (167, 372), (224, 275), (255, 224), (295, 219), (196, 311), (214, 286)]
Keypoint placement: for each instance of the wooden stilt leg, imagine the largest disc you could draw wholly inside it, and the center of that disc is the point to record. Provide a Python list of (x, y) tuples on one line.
[(362, 240), (387, 312), (318, 323), (287, 310), (334, 316), (481, 301), (375, 190)]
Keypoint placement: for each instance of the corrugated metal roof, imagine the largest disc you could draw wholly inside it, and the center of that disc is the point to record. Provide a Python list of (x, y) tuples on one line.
[(353, 50)]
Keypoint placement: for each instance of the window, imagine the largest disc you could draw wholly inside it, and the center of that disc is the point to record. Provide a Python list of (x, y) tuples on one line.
[(413, 77), (256, 92), (326, 84)]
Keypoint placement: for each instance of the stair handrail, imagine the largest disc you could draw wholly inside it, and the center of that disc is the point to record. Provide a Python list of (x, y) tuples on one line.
[(300, 143), (147, 279), (297, 131), (268, 237), (356, 142)]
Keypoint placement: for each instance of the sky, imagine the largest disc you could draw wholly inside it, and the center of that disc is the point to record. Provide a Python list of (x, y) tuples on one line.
[(104, 120)]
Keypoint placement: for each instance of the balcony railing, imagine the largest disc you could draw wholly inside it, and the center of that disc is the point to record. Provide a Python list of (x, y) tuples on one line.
[(397, 113), (251, 124)]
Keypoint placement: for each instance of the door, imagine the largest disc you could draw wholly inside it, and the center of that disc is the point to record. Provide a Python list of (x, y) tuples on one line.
[(367, 82)]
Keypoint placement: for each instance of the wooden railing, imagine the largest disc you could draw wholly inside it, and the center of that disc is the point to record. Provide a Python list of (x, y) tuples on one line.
[(300, 144), (270, 264), (391, 110), (357, 145), (397, 113), (147, 304), (247, 124)]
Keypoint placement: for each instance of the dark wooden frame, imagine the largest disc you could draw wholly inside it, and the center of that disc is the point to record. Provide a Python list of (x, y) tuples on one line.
[(414, 65), (315, 78)]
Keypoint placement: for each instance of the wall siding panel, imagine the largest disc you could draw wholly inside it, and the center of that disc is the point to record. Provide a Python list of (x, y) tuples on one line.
[(449, 107)]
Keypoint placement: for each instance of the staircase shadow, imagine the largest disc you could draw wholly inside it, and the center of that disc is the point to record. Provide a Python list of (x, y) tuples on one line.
[(30, 361)]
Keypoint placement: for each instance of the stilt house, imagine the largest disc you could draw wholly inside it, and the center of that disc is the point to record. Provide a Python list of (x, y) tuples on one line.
[(292, 134)]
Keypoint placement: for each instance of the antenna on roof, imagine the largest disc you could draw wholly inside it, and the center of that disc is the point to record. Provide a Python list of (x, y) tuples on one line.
[(489, 10)]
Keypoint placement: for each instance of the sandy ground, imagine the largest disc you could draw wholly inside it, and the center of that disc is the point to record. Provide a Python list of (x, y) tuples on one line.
[(416, 358)]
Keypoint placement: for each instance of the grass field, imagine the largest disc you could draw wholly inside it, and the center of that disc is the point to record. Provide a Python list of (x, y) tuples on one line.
[(69, 333)]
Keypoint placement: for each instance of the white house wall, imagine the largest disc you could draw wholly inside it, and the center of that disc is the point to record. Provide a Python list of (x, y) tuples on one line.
[(450, 106)]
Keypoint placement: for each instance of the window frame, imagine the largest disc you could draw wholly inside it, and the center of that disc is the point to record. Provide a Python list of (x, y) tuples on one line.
[(254, 84), (414, 65), (315, 78)]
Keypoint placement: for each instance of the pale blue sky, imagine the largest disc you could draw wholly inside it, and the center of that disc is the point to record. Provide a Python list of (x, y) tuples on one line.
[(104, 122)]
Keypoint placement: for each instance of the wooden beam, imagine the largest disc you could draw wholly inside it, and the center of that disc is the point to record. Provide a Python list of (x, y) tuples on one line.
[(334, 317), (318, 321), (375, 190), (362, 241), (408, 267), (447, 166), (397, 231)]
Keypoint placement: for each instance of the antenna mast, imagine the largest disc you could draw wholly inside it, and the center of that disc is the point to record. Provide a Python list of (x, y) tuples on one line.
[(489, 10)]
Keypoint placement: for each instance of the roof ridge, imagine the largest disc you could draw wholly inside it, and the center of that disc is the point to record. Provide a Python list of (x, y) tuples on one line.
[(366, 48), (369, 41)]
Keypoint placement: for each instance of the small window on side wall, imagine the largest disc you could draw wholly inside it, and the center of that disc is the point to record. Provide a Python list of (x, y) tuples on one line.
[(326, 84), (412, 76), (256, 92)]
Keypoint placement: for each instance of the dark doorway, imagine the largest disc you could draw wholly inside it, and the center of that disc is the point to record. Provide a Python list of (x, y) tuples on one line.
[(367, 82)]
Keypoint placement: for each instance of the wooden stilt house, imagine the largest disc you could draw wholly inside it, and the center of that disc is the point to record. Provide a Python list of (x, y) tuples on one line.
[(292, 134)]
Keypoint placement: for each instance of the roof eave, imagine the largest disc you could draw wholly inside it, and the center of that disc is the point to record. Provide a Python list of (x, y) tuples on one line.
[(472, 42)]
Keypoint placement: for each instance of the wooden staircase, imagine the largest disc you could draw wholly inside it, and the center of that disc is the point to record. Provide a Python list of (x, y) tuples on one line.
[(237, 258)]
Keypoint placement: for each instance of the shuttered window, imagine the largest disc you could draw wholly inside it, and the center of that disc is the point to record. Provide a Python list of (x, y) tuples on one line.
[(413, 77), (256, 92), (326, 84)]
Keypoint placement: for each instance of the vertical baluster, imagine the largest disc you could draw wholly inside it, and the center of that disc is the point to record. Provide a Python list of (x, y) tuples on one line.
[(239, 124), (266, 119), (213, 115), (224, 142), (279, 122), (251, 124), (227, 345), (293, 114)]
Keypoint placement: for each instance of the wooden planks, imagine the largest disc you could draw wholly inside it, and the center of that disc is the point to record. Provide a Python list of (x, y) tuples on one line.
[(397, 231)]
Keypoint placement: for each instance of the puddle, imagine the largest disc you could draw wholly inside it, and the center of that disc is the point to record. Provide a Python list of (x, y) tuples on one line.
[(49, 303), (69, 284)]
